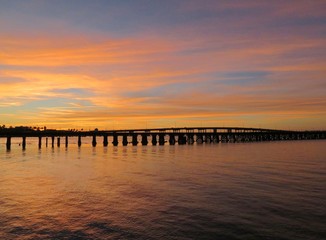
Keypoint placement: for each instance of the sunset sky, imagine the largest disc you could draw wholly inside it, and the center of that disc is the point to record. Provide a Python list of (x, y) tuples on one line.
[(120, 64)]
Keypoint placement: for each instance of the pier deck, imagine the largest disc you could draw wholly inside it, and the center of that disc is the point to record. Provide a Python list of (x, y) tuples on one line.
[(161, 135)]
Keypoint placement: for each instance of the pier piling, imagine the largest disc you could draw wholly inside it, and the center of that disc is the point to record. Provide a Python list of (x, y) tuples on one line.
[(216, 138), (199, 139), (94, 141), (172, 139), (24, 143), (125, 140), (79, 141), (115, 140), (144, 140), (154, 141), (134, 140), (8, 143), (190, 139), (181, 139), (161, 139), (105, 140)]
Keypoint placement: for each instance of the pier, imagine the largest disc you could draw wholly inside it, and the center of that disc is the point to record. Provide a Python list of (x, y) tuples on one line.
[(160, 136)]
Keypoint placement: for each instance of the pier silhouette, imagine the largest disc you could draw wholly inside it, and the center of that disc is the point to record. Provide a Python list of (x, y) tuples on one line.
[(159, 136)]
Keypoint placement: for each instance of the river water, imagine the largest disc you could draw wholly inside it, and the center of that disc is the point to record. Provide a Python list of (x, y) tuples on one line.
[(266, 190)]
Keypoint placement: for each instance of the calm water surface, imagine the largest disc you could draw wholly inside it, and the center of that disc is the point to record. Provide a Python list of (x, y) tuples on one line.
[(273, 190)]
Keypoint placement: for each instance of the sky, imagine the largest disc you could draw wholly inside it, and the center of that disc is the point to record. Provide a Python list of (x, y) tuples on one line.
[(122, 64)]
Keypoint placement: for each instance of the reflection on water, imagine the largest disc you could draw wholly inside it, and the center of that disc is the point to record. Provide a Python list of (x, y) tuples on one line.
[(264, 190)]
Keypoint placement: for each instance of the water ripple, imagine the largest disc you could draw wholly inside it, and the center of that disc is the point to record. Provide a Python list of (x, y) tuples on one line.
[(225, 191)]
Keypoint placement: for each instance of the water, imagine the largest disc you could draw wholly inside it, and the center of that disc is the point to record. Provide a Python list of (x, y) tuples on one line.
[(270, 190)]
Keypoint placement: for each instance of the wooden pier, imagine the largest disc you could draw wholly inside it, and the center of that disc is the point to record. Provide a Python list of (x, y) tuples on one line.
[(161, 136)]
